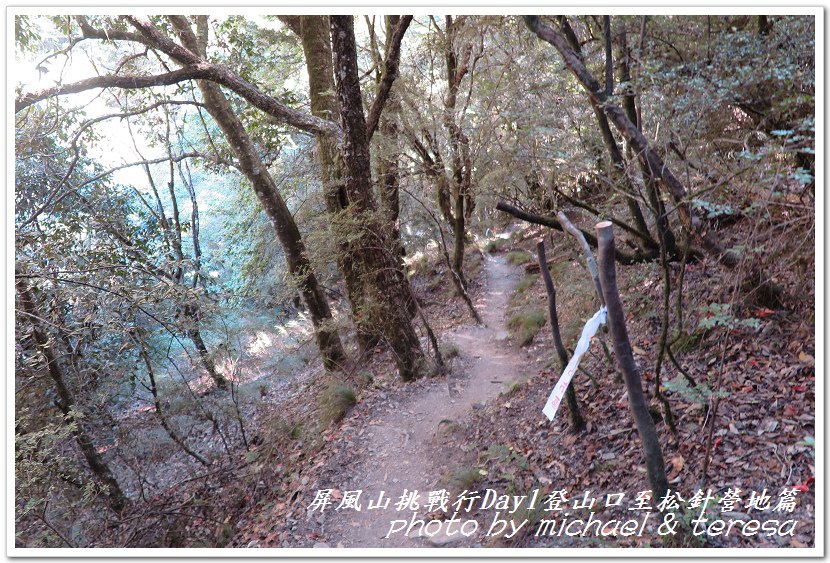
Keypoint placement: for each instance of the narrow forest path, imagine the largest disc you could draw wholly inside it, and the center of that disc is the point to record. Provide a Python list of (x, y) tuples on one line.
[(403, 445)]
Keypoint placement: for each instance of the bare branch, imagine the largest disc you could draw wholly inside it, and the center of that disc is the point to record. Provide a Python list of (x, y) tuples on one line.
[(224, 76), (193, 67), (390, 72), (109, 81), (621, 256), (609, 61)]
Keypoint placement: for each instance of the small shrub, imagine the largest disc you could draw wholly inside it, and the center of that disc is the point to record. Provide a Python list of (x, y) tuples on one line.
[(283, 429), (335, 402), (700, 393), (687, 342), (447, 427), (524, 325), (449, 351), (496, 245), (514, 387)]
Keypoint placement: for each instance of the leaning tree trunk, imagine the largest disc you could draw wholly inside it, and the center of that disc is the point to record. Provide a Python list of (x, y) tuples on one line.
[(66, 400), (577, 422), (268, 194), (195, 335), (652, 162), (619, 174), (386, 297)]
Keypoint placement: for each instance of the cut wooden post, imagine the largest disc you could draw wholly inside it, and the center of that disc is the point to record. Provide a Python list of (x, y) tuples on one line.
[(577, 422), (625, 358)]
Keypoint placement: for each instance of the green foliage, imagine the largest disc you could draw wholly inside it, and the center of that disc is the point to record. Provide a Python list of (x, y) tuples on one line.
[(505, 454), (465, 479), (39, 460), (700, 393), (713, 209), (449, 350), (26, 34), (524, 325), (721, 315), (496, 245), (526, 283), (366, 377), (335, 402), (687, 342), (514, 387)]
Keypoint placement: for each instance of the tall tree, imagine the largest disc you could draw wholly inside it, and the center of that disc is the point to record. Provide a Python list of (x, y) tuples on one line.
[(387, 295), (316, 40)]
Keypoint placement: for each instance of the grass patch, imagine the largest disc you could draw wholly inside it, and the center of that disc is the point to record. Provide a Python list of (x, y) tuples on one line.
[(687, 342), (449, 350), (291, 430), (524, 325), (447, 427), (464, 479), (519, 257), (496, 245), (526, 283), (559, 269), (514, 387), (335, 402)]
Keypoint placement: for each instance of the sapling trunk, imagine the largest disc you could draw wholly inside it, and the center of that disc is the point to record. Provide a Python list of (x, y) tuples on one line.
[(577, 422)]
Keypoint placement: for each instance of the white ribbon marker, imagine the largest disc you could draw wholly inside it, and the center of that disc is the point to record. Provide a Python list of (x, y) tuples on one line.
[(588, 332)]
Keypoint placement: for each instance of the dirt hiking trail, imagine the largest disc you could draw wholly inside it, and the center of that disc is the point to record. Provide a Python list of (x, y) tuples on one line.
[(403, 445)]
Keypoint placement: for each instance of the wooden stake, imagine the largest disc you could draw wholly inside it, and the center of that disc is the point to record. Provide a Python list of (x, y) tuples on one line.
[(655, 465)]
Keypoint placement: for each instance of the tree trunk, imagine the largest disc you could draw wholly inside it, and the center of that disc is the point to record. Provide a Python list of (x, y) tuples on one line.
[(653, 163), (195, 336), (658, 209), (389, 167), (459, 151), (386, 293), (316, 40), (625, 358), (66, 399)]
